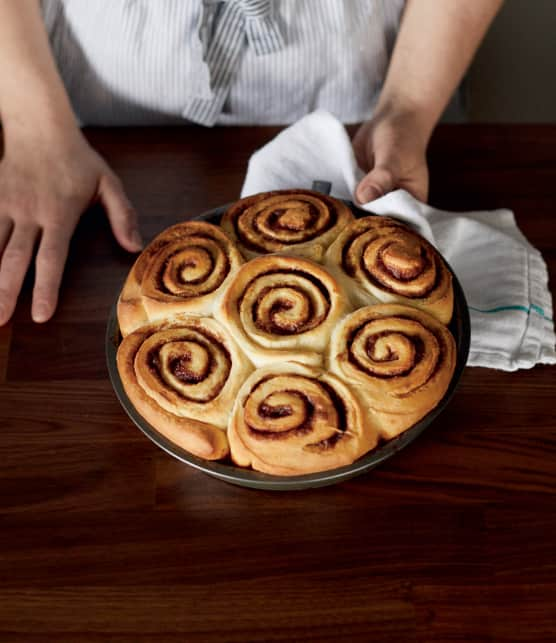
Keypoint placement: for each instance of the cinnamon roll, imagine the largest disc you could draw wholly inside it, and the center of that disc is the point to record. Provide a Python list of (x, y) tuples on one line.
[(291, 419), (300, 222), (183, 376), (399, 360), (282, 308), (182, 270), (379, 259)]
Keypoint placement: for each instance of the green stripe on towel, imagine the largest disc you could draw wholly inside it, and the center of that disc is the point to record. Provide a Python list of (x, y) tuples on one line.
[(525, 309)]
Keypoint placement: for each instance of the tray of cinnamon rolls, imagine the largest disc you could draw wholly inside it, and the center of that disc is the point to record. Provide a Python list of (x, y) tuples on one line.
[(288, 340)]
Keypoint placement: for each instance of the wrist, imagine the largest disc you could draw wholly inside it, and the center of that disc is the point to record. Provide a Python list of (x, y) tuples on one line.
[(35, 127), (43, 115), (401, 112)]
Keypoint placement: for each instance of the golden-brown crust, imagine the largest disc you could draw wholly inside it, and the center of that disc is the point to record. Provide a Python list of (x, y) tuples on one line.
[(183, 375), (197, 320), (183, 270), (292, 419), (398, 359), (299, 222), (280, 308), (379, 259)]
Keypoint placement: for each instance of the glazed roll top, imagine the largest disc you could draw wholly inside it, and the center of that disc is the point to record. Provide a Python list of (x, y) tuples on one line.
[(183, 270), (398, 359), (292, 419), (300, 222), (382, 260), (282, 308), (183, 376)]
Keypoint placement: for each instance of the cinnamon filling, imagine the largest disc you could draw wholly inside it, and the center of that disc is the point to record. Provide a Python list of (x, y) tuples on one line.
[(268, 322), (404, 276), (194, 266), (334, 438), (291, 220), (274, 411), (203, 268), (404, 259), (392, 356), (283, 219), (417, 344), (405, 262), (153, 362), (348, 264), (180, 367), (310, 415)]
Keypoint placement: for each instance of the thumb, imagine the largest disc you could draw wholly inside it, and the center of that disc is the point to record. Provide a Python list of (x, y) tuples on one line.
[(375, 184), (120, 212)]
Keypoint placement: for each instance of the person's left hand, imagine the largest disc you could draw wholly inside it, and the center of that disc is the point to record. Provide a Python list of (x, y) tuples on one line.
[(393, 153)]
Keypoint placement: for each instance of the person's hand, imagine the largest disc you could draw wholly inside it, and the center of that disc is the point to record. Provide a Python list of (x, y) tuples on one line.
[(390, 149), (45, 185)]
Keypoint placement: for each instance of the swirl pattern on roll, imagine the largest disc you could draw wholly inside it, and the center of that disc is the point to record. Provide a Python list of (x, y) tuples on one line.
[(384, 261), (399, 360), (183, 376), (282, 308), (294, 419), (301, 222), (183, 270)]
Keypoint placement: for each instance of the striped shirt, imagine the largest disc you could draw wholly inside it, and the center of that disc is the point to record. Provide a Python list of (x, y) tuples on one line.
[(226, 62)]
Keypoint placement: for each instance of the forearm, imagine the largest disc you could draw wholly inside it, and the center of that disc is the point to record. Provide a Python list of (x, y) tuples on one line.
[(435, 45), (31, 90)]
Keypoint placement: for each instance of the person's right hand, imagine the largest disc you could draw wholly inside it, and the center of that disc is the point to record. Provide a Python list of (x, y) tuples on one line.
[(45, 185)]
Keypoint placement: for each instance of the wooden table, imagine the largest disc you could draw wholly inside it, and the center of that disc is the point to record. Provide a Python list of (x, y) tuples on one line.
[(104, 537)]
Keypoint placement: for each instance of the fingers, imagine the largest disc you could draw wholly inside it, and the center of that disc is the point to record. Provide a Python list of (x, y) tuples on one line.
[(50, 261), (359, 144), (392, 158), (121, 214), (419, 189), (375, 184), (13, 266), (6, 226)]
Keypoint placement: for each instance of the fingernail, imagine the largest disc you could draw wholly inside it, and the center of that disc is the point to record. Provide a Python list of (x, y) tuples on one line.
[(136, 239), (368, 193), (40, 313)]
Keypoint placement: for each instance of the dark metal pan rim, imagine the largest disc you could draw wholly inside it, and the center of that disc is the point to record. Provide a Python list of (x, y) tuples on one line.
[(459, 326)]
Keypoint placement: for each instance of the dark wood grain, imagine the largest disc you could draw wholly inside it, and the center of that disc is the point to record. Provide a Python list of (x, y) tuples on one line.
[(106, 538)]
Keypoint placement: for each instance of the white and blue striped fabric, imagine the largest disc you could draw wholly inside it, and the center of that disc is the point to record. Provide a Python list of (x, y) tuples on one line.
[(221, 61)]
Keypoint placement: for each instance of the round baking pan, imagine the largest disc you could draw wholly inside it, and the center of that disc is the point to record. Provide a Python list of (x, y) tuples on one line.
[(228, 472)]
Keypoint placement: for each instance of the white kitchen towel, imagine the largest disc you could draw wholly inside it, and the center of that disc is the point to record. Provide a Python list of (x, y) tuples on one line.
[(503, 276)]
